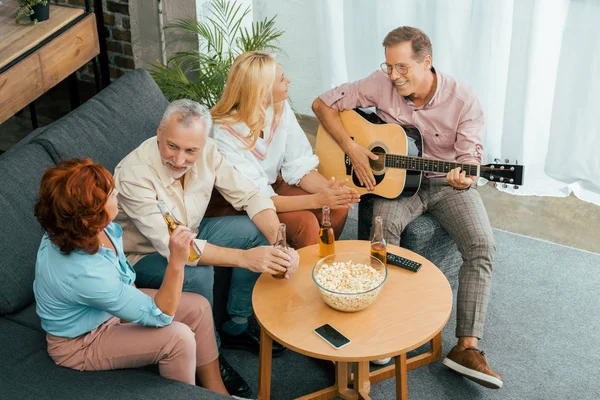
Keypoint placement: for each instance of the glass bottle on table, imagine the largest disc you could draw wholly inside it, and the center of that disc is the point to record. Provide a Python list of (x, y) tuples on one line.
[(172, 224), (281, 244), (378, 243), (326, 236)]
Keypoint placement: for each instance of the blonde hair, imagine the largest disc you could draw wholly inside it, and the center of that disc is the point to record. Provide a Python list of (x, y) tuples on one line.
[(248, 93)]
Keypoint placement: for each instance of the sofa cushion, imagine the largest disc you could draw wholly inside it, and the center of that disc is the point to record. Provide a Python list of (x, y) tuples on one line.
[(425, 236), (27, 372), (20, 174), (27, 317), (111, 124)]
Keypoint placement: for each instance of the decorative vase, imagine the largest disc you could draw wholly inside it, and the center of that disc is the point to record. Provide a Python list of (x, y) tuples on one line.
[(40, 12)]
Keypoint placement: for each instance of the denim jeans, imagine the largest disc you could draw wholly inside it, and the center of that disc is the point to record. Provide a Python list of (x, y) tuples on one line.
[(237, 232)]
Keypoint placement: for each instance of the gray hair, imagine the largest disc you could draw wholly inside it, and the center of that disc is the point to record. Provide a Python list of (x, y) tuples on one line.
[(189, 110)]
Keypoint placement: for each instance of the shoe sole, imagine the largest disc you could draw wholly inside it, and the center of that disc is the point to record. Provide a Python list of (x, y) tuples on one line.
[(245, 395), (476, 376), (383, 361)]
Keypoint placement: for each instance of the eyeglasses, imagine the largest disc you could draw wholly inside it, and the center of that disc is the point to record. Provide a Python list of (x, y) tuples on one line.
[(401, 68)]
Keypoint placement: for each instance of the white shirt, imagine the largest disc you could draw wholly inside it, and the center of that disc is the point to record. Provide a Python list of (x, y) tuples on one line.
[(142, 180), (284, 149)]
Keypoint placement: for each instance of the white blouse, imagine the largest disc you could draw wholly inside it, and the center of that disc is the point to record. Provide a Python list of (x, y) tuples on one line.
[(284, 149)]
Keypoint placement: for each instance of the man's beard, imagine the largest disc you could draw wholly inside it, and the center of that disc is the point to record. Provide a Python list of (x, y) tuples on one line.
[(173, 174)]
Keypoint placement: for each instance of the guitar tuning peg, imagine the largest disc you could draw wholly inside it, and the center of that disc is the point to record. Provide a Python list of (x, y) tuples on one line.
[(504, 185), (496, 160), (516, 161), (515, 187), (506, 161)]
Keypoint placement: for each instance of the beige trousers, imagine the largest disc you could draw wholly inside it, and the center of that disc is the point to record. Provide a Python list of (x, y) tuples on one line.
[(179, 348)]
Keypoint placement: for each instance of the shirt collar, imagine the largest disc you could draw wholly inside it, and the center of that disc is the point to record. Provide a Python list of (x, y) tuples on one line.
[(433, 99), (160, 169)]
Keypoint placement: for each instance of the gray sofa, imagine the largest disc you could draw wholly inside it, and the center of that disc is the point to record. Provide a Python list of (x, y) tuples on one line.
[(105, 128)]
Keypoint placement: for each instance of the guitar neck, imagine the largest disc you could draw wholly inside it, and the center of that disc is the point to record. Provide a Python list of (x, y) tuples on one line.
[(427, 165)]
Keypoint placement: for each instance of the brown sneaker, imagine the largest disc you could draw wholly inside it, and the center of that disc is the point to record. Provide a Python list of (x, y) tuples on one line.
[(472, 364)]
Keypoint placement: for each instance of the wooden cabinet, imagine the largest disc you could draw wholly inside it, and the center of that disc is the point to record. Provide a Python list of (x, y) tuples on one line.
[(34, 58)]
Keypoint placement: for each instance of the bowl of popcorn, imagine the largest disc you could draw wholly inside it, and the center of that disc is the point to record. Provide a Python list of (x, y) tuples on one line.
[(349, 281)]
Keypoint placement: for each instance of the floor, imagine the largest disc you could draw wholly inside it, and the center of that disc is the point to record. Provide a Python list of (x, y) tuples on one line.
[(568, 221)]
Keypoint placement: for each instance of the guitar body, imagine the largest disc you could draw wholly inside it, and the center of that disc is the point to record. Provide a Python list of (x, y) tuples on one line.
[(370, 131)]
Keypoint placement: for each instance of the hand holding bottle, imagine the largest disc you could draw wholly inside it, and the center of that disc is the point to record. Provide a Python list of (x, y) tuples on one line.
[(179, 246), (294, 262)]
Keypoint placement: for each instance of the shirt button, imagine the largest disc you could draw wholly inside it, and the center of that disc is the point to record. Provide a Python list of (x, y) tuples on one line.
[(343, 93), (437, 134)]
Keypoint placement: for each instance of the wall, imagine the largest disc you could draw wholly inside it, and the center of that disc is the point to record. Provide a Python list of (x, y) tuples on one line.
[(118, 36), (299, 20), (133, 33), (145, 29)]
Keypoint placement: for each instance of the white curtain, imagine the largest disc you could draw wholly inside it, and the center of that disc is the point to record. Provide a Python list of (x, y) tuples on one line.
[(535, 65)]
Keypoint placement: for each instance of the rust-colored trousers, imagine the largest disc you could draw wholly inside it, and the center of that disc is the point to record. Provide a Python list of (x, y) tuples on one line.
[(179, 348), (302, 226)]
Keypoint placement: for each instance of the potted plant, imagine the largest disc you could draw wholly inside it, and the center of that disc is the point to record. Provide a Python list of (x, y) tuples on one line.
[(201, 75), (36, 10)]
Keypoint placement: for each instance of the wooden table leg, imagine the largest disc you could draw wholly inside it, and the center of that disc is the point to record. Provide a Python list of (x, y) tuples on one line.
[(342, 373), (401, 377), (265, 363), (436, 347), (362, 384)]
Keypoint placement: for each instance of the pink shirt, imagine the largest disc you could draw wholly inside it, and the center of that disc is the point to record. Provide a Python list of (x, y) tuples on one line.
[(450, 123)]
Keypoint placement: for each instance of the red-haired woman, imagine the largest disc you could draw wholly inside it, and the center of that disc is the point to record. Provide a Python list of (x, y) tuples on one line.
[(94, 316)]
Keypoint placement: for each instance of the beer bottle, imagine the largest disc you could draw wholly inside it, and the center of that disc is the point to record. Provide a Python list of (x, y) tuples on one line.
[(378, 244), (172, 223), (281, 244), (326, 237)]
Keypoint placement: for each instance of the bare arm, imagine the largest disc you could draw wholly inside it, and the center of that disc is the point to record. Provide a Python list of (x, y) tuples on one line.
[(262, 259), (267, 222), (323, 193), (330, 118), (295, 203), (313, 182)]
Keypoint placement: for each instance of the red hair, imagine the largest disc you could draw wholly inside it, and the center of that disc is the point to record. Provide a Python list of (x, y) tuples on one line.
[(71, 204)]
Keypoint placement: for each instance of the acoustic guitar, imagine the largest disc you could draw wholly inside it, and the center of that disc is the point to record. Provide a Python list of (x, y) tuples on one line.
[(399, 169)]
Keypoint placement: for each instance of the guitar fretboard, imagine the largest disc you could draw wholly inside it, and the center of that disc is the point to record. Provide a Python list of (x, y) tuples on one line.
[(423, 164)]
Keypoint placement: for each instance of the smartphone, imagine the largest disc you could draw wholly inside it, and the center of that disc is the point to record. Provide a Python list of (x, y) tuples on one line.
[(332, 336)]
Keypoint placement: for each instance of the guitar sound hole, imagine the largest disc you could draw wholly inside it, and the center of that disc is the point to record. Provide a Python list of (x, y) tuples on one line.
[(379, 164)]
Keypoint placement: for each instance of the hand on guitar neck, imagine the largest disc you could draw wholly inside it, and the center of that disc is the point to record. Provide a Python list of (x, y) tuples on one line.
[(458, 179)]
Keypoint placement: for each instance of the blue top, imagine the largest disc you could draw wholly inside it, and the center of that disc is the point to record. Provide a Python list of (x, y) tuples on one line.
[(78, 292)]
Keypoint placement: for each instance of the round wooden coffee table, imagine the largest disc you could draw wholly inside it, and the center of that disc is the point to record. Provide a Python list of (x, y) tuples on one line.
[(412, 308)]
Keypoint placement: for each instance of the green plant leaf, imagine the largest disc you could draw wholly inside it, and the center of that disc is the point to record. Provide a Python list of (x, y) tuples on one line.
[(201, 74)]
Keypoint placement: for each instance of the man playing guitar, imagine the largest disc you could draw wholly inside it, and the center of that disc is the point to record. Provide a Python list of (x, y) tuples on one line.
[(410, 91)]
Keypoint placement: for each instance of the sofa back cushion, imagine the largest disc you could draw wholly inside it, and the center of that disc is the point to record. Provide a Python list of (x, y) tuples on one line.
[(111, 124), (20, 173)]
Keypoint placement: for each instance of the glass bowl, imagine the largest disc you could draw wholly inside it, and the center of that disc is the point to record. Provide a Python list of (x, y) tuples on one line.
[(348, 286)]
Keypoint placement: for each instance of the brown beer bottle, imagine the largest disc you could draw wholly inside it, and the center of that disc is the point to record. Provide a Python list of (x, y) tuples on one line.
[(326, 236), (281, 244), (172, 223), (378, 244)]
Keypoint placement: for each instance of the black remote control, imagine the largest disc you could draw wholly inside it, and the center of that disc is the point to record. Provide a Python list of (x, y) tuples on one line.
[(402, 262)]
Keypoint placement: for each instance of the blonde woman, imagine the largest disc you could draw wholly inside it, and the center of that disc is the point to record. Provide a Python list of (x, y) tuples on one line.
[(256, 130)]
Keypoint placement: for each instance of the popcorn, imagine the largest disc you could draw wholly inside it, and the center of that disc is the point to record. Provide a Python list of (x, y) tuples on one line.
[(351, 279)]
